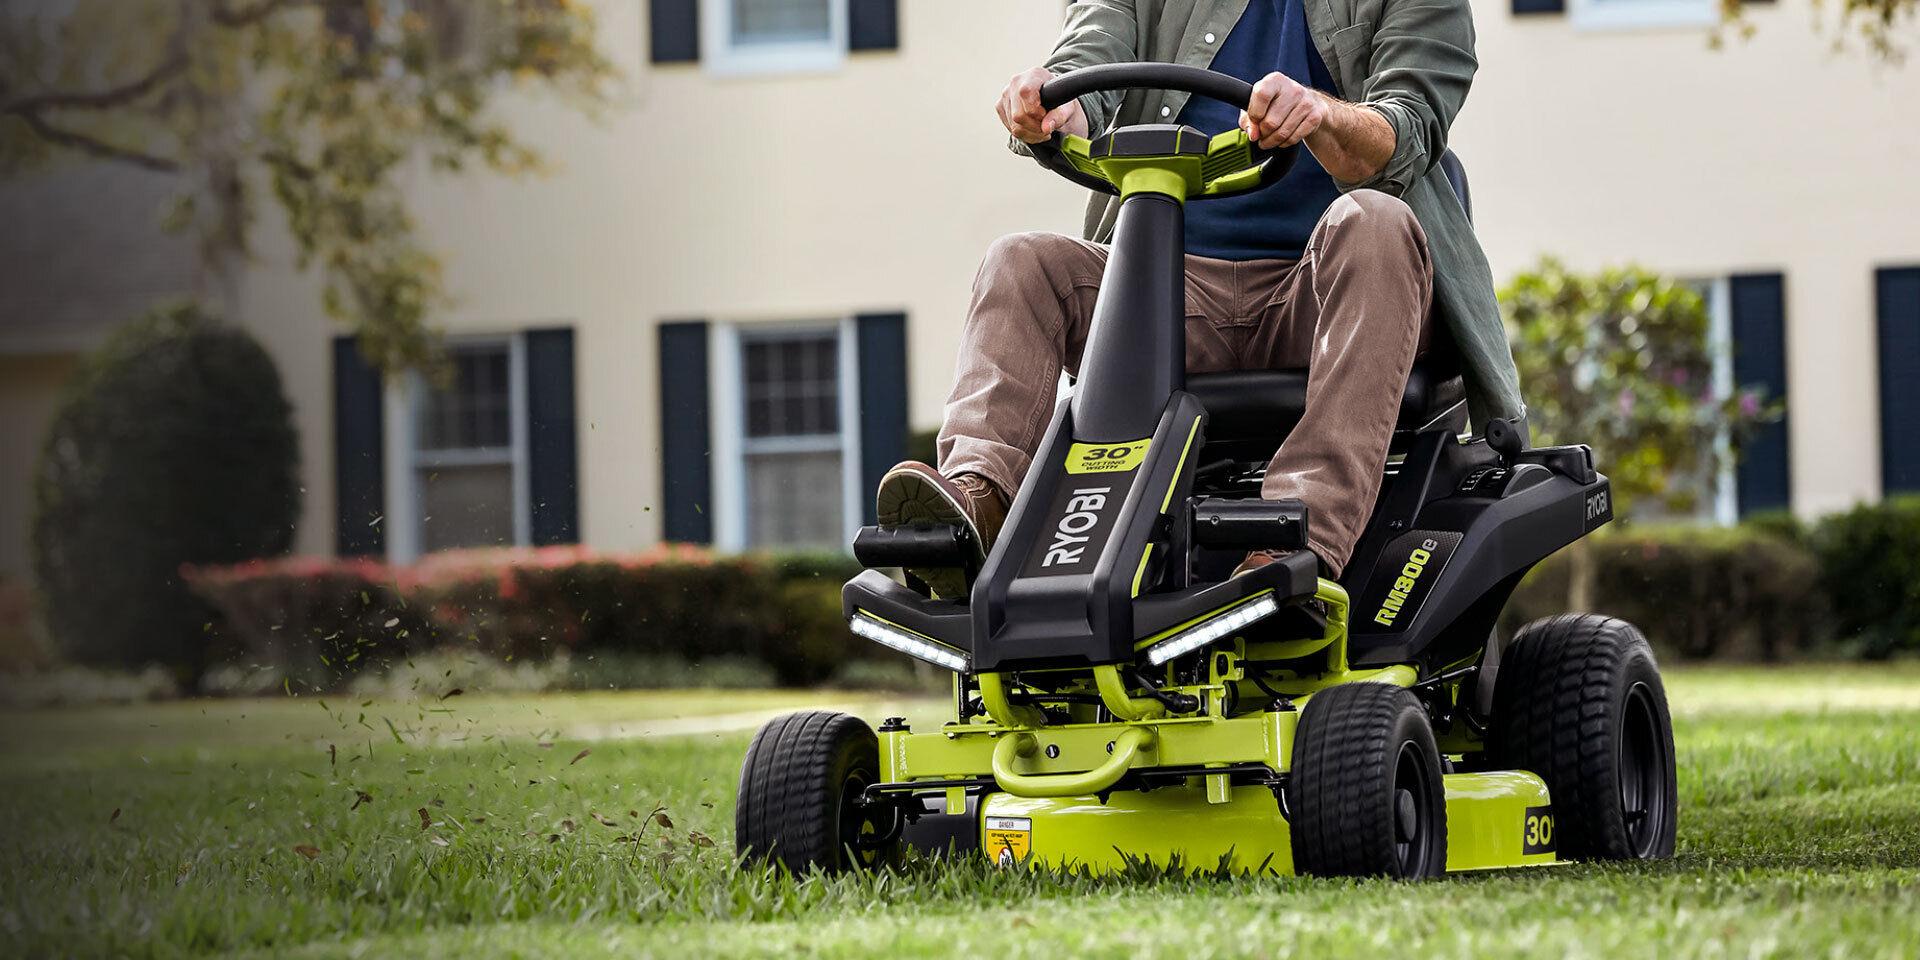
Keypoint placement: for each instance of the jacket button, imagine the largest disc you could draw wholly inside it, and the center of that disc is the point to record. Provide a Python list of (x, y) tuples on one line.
[(1209, 38), (1166, 111)]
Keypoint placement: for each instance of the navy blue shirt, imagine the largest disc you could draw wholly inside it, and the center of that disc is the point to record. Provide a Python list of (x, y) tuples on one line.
[(1270, 224)]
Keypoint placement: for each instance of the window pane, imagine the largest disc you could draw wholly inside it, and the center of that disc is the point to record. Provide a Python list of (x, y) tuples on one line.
[(466, 507), (792, 385), (780, 21), (473, 411), (794, 500)]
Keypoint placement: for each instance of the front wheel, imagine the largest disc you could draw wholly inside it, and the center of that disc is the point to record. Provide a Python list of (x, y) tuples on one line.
[(1579, 702), (1366, 793), (800, 798)]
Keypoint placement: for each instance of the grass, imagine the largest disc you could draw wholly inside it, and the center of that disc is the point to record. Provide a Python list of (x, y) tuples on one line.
[(524, 826)]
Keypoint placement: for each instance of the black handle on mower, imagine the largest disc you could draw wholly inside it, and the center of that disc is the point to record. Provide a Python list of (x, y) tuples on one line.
[(1149, 75)]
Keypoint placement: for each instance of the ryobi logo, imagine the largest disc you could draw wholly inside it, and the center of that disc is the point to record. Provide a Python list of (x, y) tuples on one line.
[(1070, 535), (1599, 505), (1403, 585)]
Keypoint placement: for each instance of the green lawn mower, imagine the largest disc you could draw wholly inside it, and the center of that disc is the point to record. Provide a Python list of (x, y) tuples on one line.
[(1120, 698)]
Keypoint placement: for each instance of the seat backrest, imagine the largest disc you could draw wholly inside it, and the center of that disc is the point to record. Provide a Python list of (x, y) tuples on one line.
[(1457, 176)]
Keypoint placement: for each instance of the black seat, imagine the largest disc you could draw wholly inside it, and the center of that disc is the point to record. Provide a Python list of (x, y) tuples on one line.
[(1250, 411)]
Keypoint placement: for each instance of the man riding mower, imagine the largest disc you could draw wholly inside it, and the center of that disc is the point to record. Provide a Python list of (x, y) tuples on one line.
[(1239, 609)]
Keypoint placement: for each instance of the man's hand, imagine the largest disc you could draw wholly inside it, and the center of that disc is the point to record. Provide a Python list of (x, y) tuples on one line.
[(1352, 142), (1021, 113), (1283, 112)]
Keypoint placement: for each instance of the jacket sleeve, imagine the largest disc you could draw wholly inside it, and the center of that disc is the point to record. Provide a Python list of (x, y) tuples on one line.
[(1421, 68), (1097, 31)]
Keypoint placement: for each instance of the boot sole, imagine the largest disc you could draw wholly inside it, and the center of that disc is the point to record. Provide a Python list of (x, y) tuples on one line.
[(905, 498)]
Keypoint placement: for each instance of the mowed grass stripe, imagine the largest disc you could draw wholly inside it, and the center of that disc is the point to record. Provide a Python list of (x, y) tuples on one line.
[(1798, 836)]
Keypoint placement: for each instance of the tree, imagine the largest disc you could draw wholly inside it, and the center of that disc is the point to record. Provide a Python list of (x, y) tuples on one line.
[(323, 103), (174, 444), (1876, 22), (1620, 360)]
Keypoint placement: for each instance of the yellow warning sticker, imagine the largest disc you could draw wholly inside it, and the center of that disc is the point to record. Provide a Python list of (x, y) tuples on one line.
[(1107, 457), (1008, 840)]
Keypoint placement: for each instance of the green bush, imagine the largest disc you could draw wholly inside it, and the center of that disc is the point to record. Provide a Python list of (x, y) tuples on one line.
[(672, 616), (1697, 592), (1870, 572), (174, 444)]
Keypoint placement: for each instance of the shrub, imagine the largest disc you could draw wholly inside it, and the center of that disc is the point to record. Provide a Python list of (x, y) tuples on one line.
[(174, 444), (1697, 592), (671, 616), (1870, 572)]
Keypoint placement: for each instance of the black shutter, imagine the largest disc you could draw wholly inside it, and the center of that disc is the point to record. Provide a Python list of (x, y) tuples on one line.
[(1764, 480), (359, 453), (1897, 293), (553, 438), (1523, 7), (873, 24), (674, 31), (882, 344), (686, 446)]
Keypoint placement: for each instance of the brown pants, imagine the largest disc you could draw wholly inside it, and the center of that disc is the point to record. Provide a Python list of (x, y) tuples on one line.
[(1353, 311)]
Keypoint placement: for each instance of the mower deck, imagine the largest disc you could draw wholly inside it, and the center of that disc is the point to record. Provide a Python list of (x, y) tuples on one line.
[(1494, 820)]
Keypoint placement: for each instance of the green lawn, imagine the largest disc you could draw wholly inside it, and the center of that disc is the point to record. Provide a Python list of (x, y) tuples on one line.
[(507, 827)]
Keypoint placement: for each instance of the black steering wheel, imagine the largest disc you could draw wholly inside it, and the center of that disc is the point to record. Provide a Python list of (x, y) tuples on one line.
[(1231, 163)]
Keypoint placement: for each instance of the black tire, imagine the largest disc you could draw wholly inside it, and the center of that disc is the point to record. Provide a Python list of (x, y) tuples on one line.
[(1365, 794), (798, 790), (1579, 702)]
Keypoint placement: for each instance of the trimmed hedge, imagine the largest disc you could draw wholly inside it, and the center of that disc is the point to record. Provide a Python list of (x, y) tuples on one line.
[(1870, 570), (322, 622), (1697, 592), (174, 443)]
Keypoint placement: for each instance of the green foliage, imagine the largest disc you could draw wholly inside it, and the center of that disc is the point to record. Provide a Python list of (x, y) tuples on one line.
[(1870, 569), (1619, 360), (1697, 592), (241, 830), (174, 444), (1876, 23), (327, 101), (319, 624)]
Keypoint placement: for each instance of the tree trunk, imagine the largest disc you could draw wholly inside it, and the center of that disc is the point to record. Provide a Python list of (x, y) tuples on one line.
[(1580, 577)]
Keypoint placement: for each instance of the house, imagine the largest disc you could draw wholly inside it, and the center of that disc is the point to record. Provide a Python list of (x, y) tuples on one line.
[(743, 286)]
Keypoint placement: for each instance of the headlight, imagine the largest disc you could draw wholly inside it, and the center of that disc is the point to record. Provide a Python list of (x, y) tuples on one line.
[(911, 644), (1207, 631)]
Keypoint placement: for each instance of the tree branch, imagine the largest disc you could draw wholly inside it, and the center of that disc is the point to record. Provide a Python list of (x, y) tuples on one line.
[(93, 146), (99, 99), (250, 14)]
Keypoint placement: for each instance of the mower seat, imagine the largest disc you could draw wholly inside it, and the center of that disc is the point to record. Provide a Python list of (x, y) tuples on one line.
[(1249, 412)]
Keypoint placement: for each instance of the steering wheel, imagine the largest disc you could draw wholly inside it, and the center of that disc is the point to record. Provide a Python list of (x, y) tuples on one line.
[(1224, 165)]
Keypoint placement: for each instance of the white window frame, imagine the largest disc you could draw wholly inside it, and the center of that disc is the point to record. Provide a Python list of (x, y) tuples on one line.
[(1641, 14), (731, 446), (1726, 491), (719, 54), (406, 498)]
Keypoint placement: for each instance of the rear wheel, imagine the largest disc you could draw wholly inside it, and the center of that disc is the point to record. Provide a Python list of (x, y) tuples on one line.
[(1365, 793), (1579, 702), (799, 802)]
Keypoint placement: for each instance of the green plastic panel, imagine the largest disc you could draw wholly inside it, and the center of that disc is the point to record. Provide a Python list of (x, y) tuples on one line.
[(1489, 816)]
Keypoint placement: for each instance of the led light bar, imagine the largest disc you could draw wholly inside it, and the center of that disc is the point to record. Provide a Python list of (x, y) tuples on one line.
[(913, 645), (1199, 635)]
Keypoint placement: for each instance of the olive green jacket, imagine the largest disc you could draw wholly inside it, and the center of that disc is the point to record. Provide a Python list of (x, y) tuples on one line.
[(1411, 60)]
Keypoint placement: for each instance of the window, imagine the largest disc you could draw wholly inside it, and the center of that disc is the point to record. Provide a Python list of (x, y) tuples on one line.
[(774, 36), (1642, 14), (789, 394), (464, 453)]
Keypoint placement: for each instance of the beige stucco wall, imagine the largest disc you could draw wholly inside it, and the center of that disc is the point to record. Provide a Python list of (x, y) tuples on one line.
[(30, 388), (1773, 154), (877, 186)]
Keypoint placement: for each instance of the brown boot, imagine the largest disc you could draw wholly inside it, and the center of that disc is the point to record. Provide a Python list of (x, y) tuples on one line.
[(1260, 558), (1257, 559), (914, 493)]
